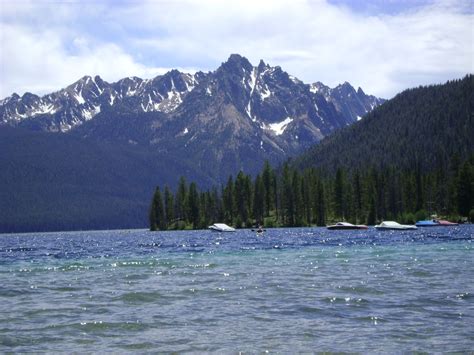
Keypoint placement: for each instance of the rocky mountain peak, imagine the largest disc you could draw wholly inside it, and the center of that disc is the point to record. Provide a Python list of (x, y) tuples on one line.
[(236, 64), (262, 66), (237, 115)]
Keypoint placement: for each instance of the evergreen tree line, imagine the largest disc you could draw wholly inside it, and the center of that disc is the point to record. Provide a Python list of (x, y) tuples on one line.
[(291, 198), (422, 127)]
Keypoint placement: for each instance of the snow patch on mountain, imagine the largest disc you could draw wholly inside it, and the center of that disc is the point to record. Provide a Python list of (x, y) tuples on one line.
[(251, 84), (43, 109), (78, 96), (279, 127)]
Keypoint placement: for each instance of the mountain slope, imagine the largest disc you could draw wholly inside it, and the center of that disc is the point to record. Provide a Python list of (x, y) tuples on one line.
[(87, 156), (236, 118), (252, 113), (423, 127), (60, 182)]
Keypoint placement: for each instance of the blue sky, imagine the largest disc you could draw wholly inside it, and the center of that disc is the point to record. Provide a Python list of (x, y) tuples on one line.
[(384, 46)]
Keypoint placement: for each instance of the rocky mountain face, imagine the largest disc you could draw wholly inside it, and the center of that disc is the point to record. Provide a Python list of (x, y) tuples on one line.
[(68, 108), (219, 122)]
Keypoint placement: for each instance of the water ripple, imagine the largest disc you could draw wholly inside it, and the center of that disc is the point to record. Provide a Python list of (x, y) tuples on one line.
[(292, 290)]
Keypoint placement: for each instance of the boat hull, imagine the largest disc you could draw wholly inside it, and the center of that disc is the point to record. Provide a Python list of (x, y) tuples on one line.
[(395, 228), (391, 225), (431, 223), (444, 223), (221, 227), (346, 227)]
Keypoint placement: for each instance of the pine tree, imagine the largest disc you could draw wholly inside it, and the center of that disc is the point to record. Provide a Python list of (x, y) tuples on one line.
[(152, 215), (216, 205), (259, 200), (239, 193), (268, 178), (169, 206), (298, 218), (465, 193), (339, 198), (228, 201), (307, 190), (157, 213), (181, 200), (357, 197), (371, 218), (193, 205), (419, 189), (287, 201), (248, 198), (321, 205)]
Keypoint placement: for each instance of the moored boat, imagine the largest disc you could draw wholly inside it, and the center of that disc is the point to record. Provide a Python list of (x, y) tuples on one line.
[(221, 227), (445, 223), (428, 223), (259, 230), (345, 225), (391, 225)]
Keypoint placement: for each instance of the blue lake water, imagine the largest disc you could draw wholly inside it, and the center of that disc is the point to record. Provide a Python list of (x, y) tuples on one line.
[(290, 290)]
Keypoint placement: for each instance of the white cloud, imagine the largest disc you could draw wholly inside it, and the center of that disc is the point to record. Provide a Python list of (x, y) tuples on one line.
[(45, 48), (40, 62)]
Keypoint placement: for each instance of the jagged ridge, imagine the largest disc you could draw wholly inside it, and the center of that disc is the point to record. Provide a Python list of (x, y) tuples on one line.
[(265, 94)]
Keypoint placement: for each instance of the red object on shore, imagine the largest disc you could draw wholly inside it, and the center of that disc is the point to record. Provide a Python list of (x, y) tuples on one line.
[(446, 223)]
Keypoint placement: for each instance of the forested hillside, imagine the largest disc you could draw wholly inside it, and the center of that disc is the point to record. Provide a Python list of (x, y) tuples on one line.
[(58, 182), (420, 128), (408, 159)]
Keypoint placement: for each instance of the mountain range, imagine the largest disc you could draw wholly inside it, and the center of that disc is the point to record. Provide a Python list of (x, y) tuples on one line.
[(223, 121), (89, 155)]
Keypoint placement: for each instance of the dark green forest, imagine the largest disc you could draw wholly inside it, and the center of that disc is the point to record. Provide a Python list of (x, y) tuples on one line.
[(421, 128), (294, 198), (408, 159), (61, 182)]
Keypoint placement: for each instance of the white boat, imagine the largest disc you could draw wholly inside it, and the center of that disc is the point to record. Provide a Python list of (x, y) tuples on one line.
[(221, 227), (391, 225), (345, 225)]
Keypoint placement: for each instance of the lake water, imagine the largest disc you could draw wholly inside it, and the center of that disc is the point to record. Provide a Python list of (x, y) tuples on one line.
[(290, 290)]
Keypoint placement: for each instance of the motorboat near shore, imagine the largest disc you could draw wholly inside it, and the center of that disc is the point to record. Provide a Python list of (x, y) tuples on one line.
[(435, 223), (391, 225), (345, 225), (444, 223), (221, 227), (427, 223)]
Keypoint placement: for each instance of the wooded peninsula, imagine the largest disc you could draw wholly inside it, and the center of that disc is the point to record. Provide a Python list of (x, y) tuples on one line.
[(290, 198)]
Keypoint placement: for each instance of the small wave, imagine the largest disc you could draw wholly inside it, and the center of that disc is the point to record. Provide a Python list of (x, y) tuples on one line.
[(362, 290), (68, 289), (98, 326), (203, 266), (263, 319), (150, 245), (139, 297), (345, 300), (18, 249), (138, 346), (74, 267), (309, 309), (464, 296), (14, 293), (375, 320)]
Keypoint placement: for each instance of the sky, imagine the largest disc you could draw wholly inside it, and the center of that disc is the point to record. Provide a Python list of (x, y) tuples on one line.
[(383, 46)]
